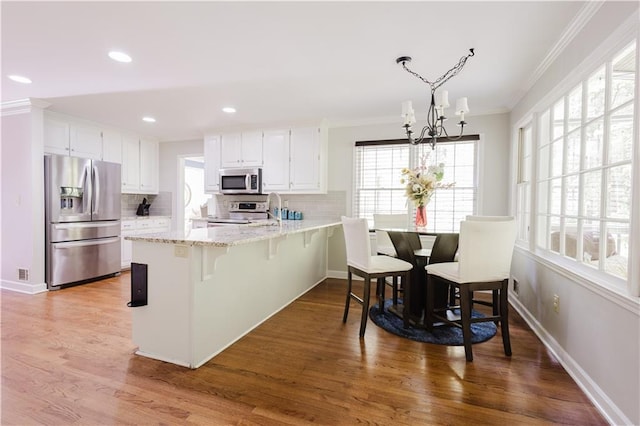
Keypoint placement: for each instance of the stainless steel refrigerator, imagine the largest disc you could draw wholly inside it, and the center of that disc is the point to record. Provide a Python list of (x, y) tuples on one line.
[(82, 214)]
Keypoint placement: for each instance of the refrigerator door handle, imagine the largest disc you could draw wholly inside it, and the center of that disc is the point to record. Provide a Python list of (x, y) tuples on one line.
[(87, 186), (96, 187), (71, 244), (76, 225)]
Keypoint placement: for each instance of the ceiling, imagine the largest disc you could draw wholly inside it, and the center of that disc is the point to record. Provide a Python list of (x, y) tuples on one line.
[(276, 62)]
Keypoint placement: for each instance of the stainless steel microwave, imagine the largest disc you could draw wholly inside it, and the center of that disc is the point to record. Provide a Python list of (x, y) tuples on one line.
[(241, 181)]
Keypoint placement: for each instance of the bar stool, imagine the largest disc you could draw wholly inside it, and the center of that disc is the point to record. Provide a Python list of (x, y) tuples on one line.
[(484, 263), (363, 264)]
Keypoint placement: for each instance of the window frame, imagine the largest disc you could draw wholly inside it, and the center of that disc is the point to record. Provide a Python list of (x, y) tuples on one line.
[(415, 151), (599, 277)]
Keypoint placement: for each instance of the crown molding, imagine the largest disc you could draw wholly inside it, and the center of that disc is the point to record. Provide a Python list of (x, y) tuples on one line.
[(22, 106), (583, 16)]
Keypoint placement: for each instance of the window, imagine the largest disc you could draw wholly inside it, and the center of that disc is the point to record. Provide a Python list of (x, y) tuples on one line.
[(377, 187), (584, 179), (523, 189)]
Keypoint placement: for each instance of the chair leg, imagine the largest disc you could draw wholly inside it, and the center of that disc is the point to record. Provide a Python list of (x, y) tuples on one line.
[(395, 290), (346, 305), (496, 304), (452, 295), (381, 284), (465, 317), (428, 314), (365, 305), (504, 317), (406, 299)]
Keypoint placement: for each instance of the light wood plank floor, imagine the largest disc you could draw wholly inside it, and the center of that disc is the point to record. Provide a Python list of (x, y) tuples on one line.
[(67, 358)]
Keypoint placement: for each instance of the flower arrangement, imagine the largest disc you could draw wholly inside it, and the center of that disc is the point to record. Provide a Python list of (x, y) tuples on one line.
[(422, 182)]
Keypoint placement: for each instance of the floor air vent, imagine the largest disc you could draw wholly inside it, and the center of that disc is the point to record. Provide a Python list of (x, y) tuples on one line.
[(23, 274)]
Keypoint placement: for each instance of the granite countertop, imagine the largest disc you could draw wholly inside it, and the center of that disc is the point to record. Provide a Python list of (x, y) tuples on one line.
[(231, 235)]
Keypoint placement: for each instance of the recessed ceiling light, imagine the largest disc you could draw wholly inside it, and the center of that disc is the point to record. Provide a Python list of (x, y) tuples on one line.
[(119, 56), (20, 79), (149, 119), (229, 110)]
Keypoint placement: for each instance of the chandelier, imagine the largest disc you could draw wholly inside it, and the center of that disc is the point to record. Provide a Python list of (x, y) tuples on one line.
[(435, 116)]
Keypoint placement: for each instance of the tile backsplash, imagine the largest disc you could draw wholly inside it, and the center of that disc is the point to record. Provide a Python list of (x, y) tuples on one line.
[(160, 204), (333, 204)]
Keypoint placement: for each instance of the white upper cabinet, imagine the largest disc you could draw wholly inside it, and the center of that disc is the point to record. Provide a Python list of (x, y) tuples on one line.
[(292, 160), (66, 138), (241, 150), (149, 159), (140, 158), (112, 146), (130, 164), (212, 163), (275, 174), (231, 150), (85, 141), (56, 136), (308, 160)]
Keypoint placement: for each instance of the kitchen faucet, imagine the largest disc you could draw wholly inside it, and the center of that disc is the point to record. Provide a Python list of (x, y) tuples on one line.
[(279, 216)]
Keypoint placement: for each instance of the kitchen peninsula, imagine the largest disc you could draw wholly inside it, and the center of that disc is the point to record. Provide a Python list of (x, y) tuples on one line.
[(211, 286)]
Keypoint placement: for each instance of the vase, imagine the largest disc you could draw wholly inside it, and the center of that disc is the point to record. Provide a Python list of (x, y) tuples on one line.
[(421, 216)]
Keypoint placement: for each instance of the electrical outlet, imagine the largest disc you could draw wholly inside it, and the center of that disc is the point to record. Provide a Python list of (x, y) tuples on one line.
[(180, 251), (516, 286), (556, 303)]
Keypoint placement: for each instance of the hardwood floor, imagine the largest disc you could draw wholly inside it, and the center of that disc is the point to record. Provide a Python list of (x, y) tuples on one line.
[(68, 358)]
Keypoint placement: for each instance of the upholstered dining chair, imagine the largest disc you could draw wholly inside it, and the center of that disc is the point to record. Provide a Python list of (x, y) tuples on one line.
[(385, 246), (484, 263), (444, 250), (413, 292), (361, 263)]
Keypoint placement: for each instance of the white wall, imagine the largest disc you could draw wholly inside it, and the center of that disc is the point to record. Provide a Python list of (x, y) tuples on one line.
[(596, 333), (22, 197)]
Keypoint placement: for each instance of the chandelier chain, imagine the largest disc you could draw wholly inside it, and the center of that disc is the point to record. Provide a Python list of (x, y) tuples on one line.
[(446, 76)]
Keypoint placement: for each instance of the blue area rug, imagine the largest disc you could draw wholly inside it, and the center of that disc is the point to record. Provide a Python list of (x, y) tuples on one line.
[(441, 335)]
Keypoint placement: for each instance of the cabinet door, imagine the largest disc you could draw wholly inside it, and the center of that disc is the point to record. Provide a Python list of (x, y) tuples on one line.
[(231, 150), (251, 149), (130, 164), (305, 159), (86, 141), (126, 252), (275, 174), (56, 136), (212, 164), (149, 159), (112, 146)]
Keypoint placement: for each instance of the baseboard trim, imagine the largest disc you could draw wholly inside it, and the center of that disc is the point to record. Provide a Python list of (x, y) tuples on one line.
[(603, 403), (342, 275), (21, 287)]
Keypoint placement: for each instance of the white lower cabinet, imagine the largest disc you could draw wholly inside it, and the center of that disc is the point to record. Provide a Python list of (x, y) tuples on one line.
[(140, 226)]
